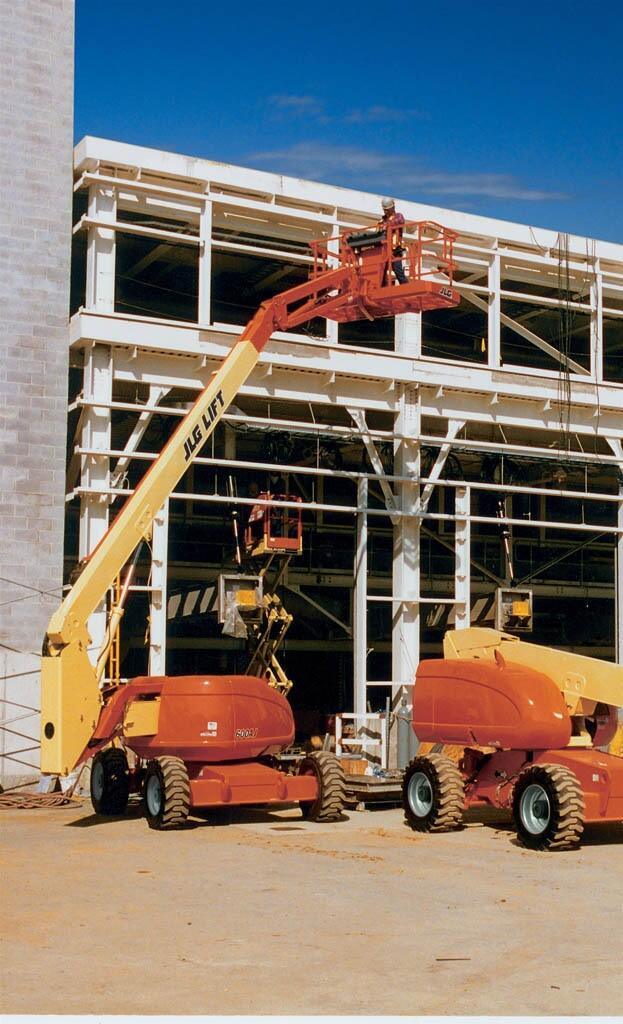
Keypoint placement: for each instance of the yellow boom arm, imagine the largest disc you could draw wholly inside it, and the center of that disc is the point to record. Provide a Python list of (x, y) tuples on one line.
[(70, 694), (584, 682)]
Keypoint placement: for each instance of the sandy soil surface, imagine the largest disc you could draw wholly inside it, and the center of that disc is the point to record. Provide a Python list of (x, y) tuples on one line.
[(267, 913)]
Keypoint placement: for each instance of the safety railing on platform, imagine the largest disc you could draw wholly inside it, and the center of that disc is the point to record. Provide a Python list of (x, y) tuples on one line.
[(424, 249)]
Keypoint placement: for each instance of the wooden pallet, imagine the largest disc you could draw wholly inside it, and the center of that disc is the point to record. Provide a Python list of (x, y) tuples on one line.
[(366, 789)]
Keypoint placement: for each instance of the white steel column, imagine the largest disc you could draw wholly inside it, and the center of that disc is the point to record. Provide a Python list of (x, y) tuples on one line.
[(406, 554), (494, 345), (462, 559), (158, 594), (408, 334), (98, 378), (100, 282), (360, 602), (597, 325), (617, 448), (619, 579), (98, 383), (332, 326), (204, 315)]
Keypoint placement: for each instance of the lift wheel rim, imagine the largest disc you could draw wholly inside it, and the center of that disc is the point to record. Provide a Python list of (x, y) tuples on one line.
[(97, 779), (420, 794), (153, 795), (535, 809)]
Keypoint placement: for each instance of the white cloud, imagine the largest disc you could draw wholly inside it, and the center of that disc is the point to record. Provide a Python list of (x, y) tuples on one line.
[(313, 108), (380, 114), (365, 168), (288, 102), (286, 105)]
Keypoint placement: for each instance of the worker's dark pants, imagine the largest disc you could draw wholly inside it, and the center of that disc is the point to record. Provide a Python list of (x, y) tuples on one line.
[(399, 271)]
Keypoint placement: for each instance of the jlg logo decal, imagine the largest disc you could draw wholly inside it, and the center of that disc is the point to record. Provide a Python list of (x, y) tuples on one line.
[(196, 437), (245, 734)]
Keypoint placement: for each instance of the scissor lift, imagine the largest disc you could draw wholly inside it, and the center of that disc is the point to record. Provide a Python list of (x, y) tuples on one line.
[(274, 532)]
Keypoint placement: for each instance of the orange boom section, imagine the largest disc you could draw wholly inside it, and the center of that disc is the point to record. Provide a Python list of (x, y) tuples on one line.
[(199, 718), (504, 706)]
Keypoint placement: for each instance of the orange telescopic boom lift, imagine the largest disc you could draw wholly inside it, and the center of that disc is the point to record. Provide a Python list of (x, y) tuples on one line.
[(204, 741)]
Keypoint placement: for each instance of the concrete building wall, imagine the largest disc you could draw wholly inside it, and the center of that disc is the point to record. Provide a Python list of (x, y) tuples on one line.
[(36, 118)]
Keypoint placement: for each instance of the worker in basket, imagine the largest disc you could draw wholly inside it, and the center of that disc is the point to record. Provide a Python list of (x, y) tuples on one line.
[(396, 222), (373, 240)]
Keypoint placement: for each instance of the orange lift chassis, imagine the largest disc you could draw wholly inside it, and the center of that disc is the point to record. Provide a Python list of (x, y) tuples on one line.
[(202, 741), (529, 722)]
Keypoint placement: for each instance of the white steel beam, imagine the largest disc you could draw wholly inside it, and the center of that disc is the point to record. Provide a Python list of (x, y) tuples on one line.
[(297, 589), (359, 418), (534, 409), (156, 393), (127, 227), (586, 496), (528, 335), (454, 426), (358, 371), (316, 199)]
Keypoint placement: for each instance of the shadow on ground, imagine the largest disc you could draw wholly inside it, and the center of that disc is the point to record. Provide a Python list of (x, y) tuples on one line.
[(215, 817), (595, 833)]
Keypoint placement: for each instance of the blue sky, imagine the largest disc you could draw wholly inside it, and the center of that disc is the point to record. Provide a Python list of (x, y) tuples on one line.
[(508, 110)]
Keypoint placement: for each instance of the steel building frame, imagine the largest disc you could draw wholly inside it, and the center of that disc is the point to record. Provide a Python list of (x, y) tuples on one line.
[(448, 404)]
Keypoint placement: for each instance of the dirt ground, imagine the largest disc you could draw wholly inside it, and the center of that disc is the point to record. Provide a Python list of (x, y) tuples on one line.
[(267, 913)]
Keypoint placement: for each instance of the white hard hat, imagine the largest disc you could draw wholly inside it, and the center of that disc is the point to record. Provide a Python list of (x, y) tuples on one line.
[(387, 203)]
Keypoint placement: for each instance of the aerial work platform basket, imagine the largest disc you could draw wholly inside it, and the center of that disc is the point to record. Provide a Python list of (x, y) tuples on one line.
[(275, 529), (422, 256)]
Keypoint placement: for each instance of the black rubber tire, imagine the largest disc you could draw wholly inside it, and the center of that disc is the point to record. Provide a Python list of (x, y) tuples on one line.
[(110, 782), (443, 802), (166, 793), (329, 804), (563, 822)]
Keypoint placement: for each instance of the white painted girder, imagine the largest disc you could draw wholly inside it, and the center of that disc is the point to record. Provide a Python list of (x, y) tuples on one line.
[(268, 186), (348, 362), (472, 407)]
